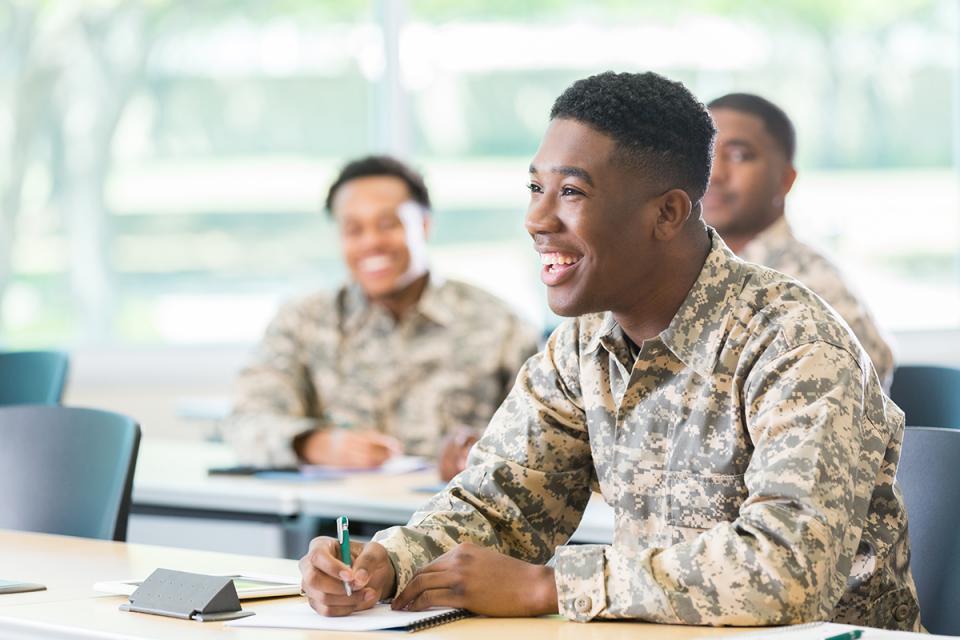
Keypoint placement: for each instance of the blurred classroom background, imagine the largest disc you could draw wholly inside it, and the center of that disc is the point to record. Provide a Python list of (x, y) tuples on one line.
[(164, 160)]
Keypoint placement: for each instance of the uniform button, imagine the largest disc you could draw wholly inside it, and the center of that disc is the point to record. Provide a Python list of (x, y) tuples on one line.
[(583, 604), (902, 612)]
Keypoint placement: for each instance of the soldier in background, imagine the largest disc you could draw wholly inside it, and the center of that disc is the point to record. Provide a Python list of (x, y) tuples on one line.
[(399, 360), (752, 174), (728, 415)]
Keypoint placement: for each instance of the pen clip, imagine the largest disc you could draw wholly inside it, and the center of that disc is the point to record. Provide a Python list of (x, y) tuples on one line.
[(343, 525)]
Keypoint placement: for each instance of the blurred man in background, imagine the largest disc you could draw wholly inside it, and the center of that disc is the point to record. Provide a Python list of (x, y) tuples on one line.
[(752, 173), (398, 360)]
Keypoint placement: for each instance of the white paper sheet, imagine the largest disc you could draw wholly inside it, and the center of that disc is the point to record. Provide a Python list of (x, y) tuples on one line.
[(301, 616)]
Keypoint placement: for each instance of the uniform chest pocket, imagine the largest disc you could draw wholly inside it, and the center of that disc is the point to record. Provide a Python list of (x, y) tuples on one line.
[(700, 502)]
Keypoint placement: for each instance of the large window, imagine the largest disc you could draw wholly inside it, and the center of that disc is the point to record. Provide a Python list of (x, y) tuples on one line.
[(165, 161)]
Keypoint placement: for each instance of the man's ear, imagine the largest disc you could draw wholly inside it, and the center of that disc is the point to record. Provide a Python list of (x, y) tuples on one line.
[(786, 181), (673, 211), (427, 224)]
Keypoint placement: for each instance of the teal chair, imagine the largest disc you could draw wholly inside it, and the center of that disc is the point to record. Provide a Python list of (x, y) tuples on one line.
[(66, 470), (32, 377), (929, 475), (928, 395)]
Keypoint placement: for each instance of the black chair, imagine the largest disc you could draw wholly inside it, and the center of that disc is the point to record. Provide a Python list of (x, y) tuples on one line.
[(66, 470), (32, 377), (929, 475), (928, 395)]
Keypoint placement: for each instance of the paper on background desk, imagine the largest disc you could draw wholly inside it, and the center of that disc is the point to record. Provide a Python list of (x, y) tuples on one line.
[(397, 465), (301, 616), (822, 630), (394, 466)]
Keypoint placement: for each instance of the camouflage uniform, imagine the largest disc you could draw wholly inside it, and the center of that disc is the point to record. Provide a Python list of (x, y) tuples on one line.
[(748, 453), (337, 360), (776, 247)]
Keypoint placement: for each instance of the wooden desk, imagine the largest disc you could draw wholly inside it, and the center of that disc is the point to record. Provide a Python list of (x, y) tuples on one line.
[(69, 566), (71, 609)]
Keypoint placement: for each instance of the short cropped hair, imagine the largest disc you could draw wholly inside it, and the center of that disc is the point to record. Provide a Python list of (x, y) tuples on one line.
[(774, 118), (657, 124), (374, 166)]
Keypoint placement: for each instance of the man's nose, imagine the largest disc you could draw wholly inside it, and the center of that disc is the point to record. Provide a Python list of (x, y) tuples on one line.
[(541, 216), (373, 237)]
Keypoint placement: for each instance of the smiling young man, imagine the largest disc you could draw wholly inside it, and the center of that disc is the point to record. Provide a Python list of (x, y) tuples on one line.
[(724, 411), (752, 174), (397, 360)]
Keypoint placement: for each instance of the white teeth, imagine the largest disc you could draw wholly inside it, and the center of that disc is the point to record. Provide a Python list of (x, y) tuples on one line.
[(557, 258), (375, 263)]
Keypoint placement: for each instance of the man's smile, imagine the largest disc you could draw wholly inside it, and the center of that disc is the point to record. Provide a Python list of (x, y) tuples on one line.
[(557, 266)]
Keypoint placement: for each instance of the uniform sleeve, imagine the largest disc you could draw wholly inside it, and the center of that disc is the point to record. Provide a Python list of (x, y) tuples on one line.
[(275, 400), (873, 339), (787, 555), (527, 481)]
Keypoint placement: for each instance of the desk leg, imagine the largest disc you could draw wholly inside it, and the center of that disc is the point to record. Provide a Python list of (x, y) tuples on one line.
[(299, 531)]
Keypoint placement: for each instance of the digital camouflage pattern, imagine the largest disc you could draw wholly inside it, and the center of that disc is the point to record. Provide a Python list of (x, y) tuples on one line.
[(337, 360), (776, 247), (748, 452)]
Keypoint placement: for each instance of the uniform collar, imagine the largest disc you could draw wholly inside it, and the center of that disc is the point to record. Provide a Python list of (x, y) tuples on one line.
[(611, 336), (697, 331), (433, 304), (436, 306)]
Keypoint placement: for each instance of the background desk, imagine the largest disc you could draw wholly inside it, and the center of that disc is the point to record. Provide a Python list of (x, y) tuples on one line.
[(71, 609), (176, 503)]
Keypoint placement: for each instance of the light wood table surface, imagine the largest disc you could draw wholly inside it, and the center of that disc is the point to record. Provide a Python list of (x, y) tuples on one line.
[(71, 609), (69, 566)]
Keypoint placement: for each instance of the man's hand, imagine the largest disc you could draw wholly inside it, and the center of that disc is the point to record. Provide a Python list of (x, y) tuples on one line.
[(453, 451), (483, 581), (371, 578), (351, 449)]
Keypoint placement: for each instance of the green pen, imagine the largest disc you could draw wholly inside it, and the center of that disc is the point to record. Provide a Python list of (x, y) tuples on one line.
[(343, 537), (850, 635)]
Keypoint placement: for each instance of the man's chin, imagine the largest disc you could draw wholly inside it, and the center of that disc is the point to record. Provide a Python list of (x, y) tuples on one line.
[(375, 291), (567, 306), (382, 289)]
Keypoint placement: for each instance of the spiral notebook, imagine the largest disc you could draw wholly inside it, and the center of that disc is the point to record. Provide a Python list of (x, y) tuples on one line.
[(379, 618)]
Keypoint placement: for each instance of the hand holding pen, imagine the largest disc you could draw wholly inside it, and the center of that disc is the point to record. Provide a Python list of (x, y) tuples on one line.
[(326, 577)]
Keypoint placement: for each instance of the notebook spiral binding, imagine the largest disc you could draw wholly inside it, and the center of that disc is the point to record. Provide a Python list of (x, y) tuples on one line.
[(437, 620)]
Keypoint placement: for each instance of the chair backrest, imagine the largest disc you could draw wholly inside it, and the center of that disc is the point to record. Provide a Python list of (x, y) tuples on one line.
[(66, 470), (928, 395), (32, 377), (929, 475)]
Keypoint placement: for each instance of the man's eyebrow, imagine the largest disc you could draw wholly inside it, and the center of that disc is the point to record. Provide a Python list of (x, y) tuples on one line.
[(565, 170), (737, 142)]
